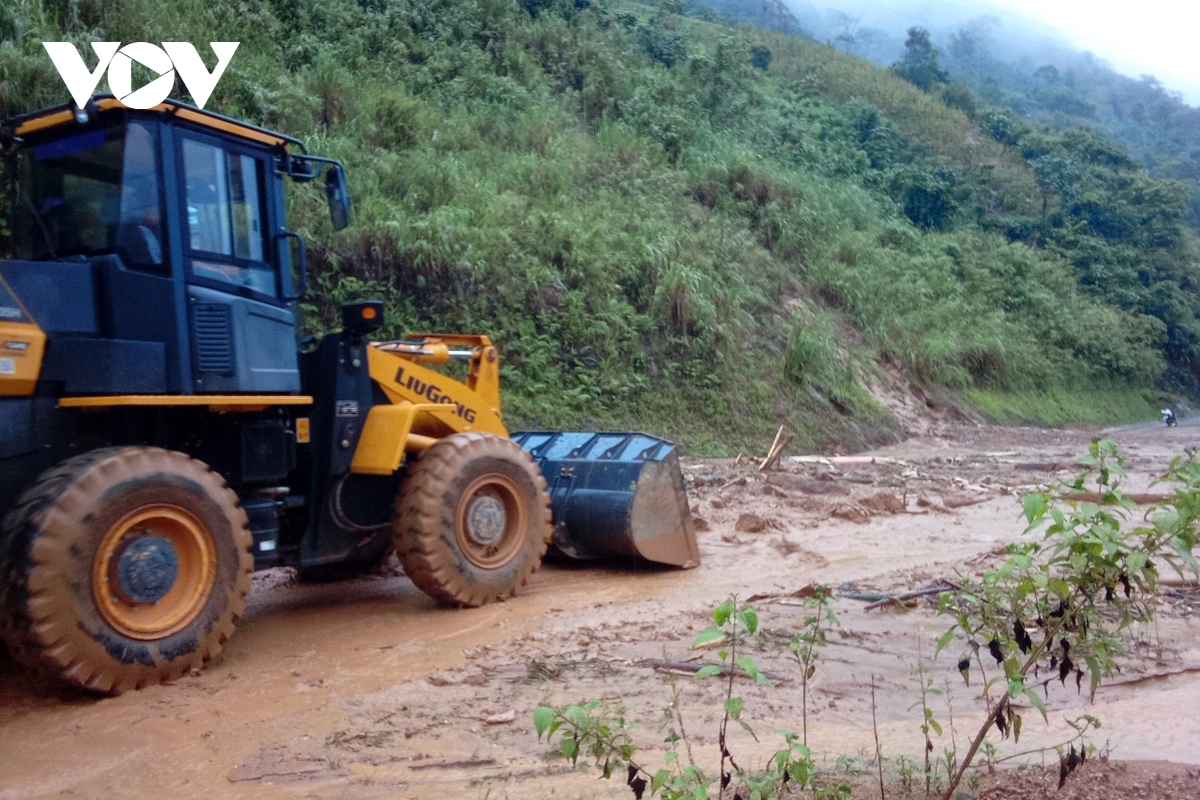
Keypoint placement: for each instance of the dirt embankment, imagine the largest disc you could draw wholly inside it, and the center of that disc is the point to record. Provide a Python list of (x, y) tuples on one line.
[(364, 689)]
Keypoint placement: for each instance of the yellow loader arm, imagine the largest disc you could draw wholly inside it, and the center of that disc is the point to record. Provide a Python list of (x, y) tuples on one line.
[(426, 405)]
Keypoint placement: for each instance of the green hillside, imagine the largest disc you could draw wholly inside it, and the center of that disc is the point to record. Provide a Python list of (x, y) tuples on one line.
[(672, 224)]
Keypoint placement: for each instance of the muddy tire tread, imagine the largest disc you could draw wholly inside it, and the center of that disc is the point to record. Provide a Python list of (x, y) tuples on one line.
[(424, 534), (33, 643)]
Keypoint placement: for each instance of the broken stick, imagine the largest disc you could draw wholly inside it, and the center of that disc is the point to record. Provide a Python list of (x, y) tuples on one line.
[(773, 458), (928, 590)]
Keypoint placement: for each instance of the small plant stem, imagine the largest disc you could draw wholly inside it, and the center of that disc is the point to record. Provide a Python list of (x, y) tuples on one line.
[(924, 714), (804, 704), (878, 750), (687, 744), (1000, 708), (807, 656), (1078, 736), (733, 640)]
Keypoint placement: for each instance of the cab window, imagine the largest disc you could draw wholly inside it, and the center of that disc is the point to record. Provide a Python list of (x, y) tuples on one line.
[(91, 193), (225, 234)]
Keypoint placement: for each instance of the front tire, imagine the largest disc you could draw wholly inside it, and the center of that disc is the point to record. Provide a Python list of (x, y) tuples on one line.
[(473, 519), (124, 567)]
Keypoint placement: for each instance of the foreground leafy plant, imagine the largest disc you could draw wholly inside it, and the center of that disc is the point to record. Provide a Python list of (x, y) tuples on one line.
[(601, 731), (1054, 609), (807, 643)]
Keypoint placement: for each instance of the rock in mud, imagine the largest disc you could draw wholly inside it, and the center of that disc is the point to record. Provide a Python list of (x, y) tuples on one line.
[(753, 523), (883, 503)]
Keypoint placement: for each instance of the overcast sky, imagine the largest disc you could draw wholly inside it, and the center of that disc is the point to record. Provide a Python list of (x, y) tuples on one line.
[(1155, 37)]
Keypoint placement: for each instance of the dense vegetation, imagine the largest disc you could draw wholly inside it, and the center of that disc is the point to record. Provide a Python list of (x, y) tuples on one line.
[(700, 230)]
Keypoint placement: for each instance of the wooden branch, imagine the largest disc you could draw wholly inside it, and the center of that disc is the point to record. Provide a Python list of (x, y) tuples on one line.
[(775, 443), (773, 457), (472, 762), (928, 590), (694, 667), (849, 461), (1153, 676)]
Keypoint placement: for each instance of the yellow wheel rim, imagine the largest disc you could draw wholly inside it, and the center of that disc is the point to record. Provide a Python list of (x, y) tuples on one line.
[(491, 521), (154, 572)]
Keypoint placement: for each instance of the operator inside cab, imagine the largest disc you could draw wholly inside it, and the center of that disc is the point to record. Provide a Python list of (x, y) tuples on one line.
[(91, 193)]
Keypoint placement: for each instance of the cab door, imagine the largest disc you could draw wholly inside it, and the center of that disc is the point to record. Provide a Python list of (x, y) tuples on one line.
[(243, 332)]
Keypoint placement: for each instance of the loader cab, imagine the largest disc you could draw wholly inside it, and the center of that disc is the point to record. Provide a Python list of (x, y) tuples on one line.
[(151, 247)]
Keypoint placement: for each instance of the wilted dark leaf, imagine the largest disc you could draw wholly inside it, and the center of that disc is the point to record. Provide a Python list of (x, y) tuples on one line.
[(1062, 772), (964, 666), (1064, 669), (1024, 640), (1078, 680), (633, 773), (994, 649), (1066, 646), (1060, 609), (1108, 594), (638, 787), (1125, 582), (1053, 662), (1002, 723), (725, 779)]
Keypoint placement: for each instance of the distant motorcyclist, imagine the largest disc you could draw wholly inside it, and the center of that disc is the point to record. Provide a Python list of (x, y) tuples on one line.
[(1168, 416)]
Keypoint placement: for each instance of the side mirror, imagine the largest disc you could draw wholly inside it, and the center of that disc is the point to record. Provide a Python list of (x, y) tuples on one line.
[(338, 197)]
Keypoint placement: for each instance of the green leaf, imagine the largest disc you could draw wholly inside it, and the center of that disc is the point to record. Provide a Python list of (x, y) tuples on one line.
[(1016, 726), (570, 748), (1037, 703), (937, 728), (945, 639), (708, 670), (733, 706), (1034, 507), (748, 666), (723, 612), (542, 717), (749, 618), (659, 780), (707, 637)]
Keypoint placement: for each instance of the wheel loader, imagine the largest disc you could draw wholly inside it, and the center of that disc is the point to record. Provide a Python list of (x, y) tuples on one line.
[(163, 434)]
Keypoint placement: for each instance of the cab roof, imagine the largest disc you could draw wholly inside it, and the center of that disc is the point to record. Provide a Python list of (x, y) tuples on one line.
[(40, 121)]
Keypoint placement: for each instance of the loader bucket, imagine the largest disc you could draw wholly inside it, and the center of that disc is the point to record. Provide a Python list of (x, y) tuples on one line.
[(615, 495)]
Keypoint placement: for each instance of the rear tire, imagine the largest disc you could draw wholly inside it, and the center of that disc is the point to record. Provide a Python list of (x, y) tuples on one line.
[(124, 567), (473, 519)]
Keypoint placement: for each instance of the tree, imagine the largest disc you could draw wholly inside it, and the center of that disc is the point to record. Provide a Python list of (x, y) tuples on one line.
[(852, 35), (920, 66)]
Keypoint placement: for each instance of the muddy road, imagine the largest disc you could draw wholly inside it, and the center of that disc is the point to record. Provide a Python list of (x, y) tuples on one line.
[(365, 689)]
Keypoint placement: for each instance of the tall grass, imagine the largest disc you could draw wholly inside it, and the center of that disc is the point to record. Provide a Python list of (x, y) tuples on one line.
[(632, 209)]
